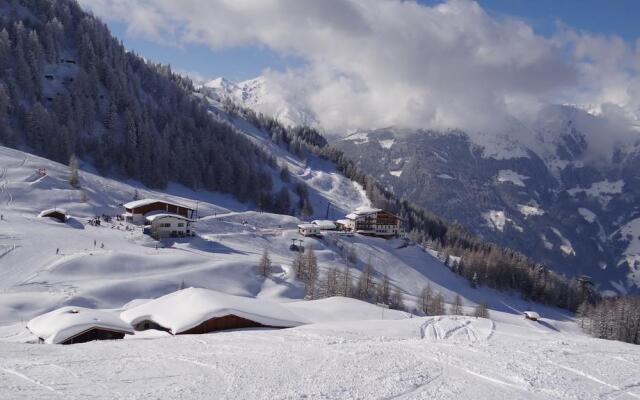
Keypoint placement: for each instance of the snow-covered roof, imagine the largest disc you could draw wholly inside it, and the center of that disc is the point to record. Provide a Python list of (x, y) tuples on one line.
[(307, 226), (324, 224), (64, 323), (156, 216), (343, 221), (48, 211), (366, 210), (185, 309), (351, 216), (146, 202), (532, 314)]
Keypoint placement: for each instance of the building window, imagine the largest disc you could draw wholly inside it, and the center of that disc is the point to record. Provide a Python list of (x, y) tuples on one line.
[(180, 224), (166, 225)]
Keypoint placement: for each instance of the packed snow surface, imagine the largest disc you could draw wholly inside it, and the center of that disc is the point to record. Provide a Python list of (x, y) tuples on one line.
[(61, 324), (419, 358), (188, 308)]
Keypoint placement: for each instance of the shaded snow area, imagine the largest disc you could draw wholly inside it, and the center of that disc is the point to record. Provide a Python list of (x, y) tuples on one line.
[(587, 214), (529, 211), (337, 348), (507, 175), (565, 245), (603, 191), (497, 220), (630, 232)]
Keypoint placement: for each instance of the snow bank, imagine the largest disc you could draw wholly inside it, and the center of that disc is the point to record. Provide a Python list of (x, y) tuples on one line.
[(342, 309), (185, 309), (59, 325)]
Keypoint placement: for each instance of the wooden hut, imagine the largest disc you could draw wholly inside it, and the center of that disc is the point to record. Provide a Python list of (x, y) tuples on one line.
[(54, 213), (69, 325)]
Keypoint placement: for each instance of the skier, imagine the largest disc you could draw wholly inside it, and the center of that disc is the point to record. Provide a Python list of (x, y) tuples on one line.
[(57, 251)]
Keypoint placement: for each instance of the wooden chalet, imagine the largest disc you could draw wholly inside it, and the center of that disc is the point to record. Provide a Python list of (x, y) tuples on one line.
[(135, 211), (371, 221), (55, 214)]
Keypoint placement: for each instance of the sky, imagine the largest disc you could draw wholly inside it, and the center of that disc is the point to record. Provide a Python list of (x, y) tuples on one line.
[(364, 64), (607, 17)]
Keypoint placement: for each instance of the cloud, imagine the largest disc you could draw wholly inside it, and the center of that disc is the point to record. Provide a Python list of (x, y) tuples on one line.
[(376, 63)]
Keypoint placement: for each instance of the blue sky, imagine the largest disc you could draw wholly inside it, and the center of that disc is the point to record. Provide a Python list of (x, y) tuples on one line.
[(619, 17)]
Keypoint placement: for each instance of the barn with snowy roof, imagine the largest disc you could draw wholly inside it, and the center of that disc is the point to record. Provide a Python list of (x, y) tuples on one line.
[(195, 310), (69, 325)]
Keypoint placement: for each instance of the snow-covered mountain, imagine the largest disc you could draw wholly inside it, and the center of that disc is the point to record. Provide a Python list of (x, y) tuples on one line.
[(547, 188), (262, 95)]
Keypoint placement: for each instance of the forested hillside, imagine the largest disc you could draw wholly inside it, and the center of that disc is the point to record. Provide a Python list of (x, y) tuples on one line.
[(67, 87)]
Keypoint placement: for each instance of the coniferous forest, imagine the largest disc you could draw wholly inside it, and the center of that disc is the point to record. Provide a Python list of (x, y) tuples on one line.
[(67, 87)]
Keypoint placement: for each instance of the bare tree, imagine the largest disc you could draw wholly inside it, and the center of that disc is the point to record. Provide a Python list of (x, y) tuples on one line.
[(425, 299), (481, 310), (264, 268), (74, 178), (437, 305), (311, 281), (456, 307)]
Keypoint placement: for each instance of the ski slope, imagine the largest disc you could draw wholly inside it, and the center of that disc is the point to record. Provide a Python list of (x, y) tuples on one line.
[(348, 349), (418, 358)]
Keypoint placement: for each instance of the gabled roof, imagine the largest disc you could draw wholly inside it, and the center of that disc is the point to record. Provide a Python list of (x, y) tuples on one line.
[(324, 224), (532, 314), (185, 309), (64, 323), (307, 226), (146, 202), (366, 210)]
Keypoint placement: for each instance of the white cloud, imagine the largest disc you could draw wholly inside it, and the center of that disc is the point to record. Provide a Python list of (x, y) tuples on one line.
[(375, 63)]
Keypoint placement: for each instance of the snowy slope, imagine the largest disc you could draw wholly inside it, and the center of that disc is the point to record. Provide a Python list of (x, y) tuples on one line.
[(326, 184), (350, 349), (419, 358)]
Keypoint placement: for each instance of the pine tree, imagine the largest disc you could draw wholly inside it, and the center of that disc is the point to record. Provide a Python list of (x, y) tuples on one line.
[(264, 267), (311, 282)]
